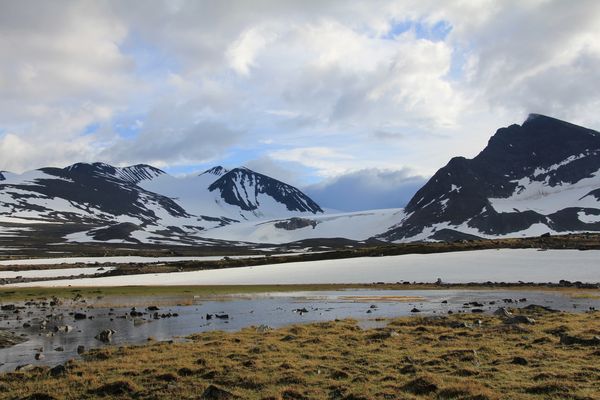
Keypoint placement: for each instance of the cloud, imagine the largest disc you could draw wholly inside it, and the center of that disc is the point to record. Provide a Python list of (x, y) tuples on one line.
[(168, 143), (329, 87), (270, 167), (325, 160), (366, 189)]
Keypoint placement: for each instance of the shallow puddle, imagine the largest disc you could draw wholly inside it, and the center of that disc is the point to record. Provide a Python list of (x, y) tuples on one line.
[(272, 309)]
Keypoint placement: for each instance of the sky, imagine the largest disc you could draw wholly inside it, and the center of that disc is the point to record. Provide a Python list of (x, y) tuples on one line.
[(357, 103)]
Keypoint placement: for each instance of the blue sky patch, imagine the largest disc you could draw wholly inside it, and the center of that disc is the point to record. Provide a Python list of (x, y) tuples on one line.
[(435, 33)]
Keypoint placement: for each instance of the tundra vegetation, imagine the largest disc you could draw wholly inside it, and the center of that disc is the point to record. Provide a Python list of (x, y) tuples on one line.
[(532, 354)]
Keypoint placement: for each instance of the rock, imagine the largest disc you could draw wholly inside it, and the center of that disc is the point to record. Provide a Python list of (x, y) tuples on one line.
[(8, 307), (139, 321), (383, 334), (115, 389), (571, 340), (408, 369), (79, 316), (519, 361), (59, 370), (185, 372), (80, 349), (25, 367), (222, 316), (209, 316), (539, 309), (503, 312), (39, 356), (477, 311), (420, 386), (263, 328), (105, 335), (301, 310), (461, 324), (152, 308), (213, 392), (8, 339), (168, 377), (415, 310), (60, 348), (519, 319), (63, 328)]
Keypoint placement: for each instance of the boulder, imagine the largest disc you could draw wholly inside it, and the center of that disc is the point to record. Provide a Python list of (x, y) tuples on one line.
[(213, 392), (105, 335), (576, 340), (503, 312), (59, 370), (519, 319)]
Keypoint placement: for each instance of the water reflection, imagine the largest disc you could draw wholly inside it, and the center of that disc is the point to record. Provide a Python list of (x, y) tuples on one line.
[(268, 309)]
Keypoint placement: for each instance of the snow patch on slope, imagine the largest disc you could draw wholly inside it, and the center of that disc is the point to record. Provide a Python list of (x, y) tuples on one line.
[(545, 199), (355, 226)]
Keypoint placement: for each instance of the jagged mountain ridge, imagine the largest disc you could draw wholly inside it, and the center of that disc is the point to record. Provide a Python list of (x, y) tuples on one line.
[(103, 195), (540, 176)]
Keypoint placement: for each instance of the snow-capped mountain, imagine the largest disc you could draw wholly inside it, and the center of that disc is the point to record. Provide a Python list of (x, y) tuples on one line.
[(538, 177), (146, 199), (249, 190), (542, 176)]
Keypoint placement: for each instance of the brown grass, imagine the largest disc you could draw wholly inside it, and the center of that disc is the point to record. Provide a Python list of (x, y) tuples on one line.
[(412, 358)]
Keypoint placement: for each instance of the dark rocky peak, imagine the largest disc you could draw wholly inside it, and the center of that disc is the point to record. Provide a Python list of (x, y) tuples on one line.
[(242, 187), (217, 171), (95, 168), (2, 176), (132, 174), (544, 150), (540, 143), (139, 172)]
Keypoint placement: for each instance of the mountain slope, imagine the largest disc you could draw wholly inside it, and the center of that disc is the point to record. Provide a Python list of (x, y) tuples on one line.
[(248, 190), (140, 201), (541, 176), (85, 193)]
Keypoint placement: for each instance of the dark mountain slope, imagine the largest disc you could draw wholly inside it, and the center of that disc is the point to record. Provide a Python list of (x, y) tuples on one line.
[(544, 154), (245, 188)]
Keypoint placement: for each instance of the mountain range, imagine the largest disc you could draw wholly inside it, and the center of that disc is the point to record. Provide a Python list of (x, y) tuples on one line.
[(535, 178)]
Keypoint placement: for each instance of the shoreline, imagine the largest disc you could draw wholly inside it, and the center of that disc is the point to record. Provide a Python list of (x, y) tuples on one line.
[(459, 356), (23, 293)]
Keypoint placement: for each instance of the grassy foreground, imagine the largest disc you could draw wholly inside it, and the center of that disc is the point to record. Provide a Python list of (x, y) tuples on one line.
[(451, 357)]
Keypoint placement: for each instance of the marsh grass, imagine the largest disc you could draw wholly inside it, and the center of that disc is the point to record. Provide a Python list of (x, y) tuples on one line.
[(125, 295), (411, 358)]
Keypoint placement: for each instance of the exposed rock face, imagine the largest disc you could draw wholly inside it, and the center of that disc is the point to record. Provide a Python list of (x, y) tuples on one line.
[(544, 173), (245, 188), (295, 223), (141, 203)]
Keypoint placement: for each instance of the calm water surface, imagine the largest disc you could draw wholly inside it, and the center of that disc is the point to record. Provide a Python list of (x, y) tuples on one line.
[(275, 309)]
